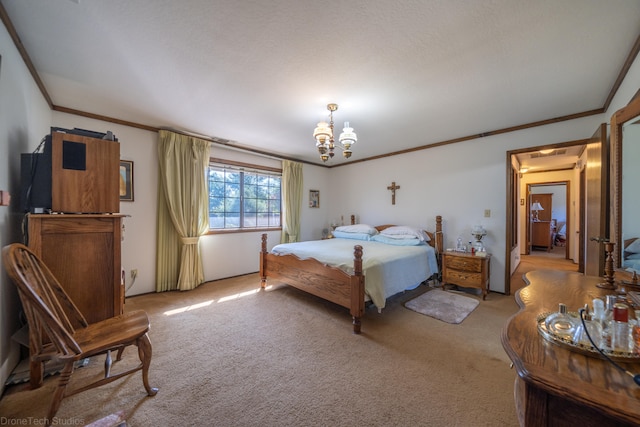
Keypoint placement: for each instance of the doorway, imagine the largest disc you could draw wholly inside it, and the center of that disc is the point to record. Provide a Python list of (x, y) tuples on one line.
[(548, 219), (557, 164)]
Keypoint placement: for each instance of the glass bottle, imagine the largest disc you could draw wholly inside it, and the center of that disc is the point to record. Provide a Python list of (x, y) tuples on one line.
[(635, 333), (593, 328), (561, 324), (620, 338), (607, 322), (598, 310)]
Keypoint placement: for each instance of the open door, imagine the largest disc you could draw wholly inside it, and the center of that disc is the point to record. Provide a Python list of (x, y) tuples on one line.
[(596, 204)]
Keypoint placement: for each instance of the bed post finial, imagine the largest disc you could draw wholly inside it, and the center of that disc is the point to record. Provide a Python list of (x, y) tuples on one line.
[(263, 262), (353, 219), (357, 296), (439, 236), (357, 260)]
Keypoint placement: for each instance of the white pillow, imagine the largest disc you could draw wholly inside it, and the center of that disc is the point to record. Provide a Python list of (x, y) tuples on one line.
[(633, 247), (358, 228), (355, 236), (393, 240), (398, 231)]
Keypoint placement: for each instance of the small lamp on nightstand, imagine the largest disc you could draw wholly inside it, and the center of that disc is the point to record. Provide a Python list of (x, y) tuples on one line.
[(478, 232), (535, 207)]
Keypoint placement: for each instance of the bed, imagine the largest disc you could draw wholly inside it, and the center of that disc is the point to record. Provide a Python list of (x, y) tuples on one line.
[(335, 269), (560, 238), (631, 254)]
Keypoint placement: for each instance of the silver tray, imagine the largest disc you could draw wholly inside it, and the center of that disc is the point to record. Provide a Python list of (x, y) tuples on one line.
[(588, 350)]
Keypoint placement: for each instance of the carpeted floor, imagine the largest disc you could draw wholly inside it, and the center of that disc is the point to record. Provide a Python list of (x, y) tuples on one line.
[(227, 354)]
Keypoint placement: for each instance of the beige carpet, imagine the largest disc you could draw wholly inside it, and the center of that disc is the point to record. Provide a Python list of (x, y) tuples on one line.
[(442, 305), (227, 354)]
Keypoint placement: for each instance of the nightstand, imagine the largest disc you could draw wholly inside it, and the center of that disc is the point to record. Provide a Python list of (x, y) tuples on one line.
[(466, 270)]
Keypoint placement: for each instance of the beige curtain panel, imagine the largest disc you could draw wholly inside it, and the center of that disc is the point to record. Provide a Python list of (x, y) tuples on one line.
[(291, 200), (183, 214)]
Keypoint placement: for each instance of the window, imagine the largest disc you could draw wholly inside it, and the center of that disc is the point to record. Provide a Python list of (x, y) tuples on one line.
[(243, 196)]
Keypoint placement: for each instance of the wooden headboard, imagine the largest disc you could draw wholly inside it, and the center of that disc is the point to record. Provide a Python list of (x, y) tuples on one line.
[(627, 242), (435, 237)]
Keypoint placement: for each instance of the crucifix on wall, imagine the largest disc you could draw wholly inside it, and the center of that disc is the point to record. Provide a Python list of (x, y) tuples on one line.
[(393, 187)]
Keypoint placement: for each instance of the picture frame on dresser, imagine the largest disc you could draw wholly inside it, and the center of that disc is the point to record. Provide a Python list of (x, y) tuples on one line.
[(126, 181)]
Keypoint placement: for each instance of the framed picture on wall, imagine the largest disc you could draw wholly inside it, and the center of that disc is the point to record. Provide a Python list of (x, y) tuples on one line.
[(126, 181), (314, 198)]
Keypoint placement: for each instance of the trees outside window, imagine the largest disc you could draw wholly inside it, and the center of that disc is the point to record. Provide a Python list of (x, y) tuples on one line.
[(243, 198)]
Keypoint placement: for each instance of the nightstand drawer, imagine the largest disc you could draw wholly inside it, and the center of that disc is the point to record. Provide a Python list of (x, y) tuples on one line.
[(465, 264), (462, 278)]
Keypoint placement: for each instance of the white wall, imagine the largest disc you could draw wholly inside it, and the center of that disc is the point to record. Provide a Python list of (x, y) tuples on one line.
[(24, 119), (458, 181)]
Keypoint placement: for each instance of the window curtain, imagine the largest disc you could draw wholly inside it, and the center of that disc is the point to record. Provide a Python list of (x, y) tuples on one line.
[(291, 200), (183, 214)]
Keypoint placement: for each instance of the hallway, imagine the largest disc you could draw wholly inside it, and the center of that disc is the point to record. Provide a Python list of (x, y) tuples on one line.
[(538, 260)]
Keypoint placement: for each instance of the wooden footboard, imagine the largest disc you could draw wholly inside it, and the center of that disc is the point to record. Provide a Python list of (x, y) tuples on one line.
[(311, 276)]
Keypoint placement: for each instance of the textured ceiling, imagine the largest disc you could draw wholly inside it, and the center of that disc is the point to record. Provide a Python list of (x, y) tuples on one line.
[(405, 73)]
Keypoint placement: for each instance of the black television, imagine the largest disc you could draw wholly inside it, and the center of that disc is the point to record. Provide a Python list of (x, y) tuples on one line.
[(35, 179)]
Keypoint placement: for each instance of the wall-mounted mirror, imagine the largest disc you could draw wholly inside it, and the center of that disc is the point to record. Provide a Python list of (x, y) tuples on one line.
[(625, 183)]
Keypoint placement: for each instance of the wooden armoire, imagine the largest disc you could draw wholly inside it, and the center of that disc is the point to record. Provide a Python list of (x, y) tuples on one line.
[(542, 230), (80, 241)]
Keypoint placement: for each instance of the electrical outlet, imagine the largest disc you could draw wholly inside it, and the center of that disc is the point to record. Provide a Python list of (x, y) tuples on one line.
[(487, 213), (134, 273), (5, 198)]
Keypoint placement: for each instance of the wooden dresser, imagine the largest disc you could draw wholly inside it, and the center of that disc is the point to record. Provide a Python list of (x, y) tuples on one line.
[(556, 386), (83, 253), (466, 270), (542, 234)]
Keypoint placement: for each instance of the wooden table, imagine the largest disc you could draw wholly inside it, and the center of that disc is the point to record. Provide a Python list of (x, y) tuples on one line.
[(556, 386)]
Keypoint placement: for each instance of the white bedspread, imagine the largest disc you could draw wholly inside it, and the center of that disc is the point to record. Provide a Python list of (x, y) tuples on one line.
[(388, 269)]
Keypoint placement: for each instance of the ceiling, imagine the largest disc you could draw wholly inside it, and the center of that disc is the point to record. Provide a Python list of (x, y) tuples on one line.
[(550, 159), (405, 73)]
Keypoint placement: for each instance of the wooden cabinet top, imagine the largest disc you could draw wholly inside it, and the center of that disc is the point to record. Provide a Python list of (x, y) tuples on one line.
[(65, 215), (587, 380), (465, 254)]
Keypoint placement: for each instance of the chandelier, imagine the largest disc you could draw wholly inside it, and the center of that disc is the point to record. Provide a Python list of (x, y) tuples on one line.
[(325, 143)]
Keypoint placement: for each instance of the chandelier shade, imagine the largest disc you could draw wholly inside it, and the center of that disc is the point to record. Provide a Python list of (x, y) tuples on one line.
[(325, 142)]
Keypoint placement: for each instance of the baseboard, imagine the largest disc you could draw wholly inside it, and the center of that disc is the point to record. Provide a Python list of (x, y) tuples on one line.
[(9, 364)]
